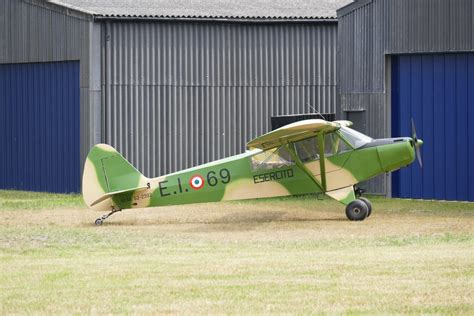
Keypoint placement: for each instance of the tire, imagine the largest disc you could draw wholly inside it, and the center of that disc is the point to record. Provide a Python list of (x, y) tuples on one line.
[(357, 210), (369, 205), (98, 221)]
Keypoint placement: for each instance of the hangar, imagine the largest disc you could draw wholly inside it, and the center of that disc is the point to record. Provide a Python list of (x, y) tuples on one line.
[(170, 84), (413, 58)]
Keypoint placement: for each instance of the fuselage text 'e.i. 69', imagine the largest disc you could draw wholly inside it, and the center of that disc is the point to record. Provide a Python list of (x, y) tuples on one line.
[(310, 156)]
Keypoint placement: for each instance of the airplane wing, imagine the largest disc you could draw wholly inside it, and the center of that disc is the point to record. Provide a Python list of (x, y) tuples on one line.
[(294, 132), (344, 123)]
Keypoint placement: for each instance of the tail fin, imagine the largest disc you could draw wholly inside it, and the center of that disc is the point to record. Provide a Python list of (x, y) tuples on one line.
[(107, 172)]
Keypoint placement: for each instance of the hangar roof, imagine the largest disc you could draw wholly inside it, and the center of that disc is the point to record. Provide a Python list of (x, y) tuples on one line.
[(208, 9)]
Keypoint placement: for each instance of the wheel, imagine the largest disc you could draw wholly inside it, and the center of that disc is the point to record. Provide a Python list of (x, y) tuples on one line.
[(369, 205), (356, 210), (99, 221)]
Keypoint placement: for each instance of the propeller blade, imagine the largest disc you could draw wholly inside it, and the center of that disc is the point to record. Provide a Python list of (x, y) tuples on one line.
[(413, 130), (417, 143), (418, 155)]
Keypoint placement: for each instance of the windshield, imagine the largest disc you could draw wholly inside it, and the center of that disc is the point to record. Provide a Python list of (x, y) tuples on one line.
[(354, 138)]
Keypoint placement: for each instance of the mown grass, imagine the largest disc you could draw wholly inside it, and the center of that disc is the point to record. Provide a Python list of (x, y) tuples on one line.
[(288, 255), (21, 200)]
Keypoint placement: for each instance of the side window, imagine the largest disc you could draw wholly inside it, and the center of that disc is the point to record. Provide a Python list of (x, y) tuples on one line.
[(271, 159), (333, 144), (307, 149)]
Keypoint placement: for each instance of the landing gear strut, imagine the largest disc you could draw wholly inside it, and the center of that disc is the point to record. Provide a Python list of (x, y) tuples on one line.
[(101, 219), (358, 191)]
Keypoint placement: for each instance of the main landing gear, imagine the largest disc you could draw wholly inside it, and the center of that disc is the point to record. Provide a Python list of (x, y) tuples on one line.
[(359, 209), (101, 219)]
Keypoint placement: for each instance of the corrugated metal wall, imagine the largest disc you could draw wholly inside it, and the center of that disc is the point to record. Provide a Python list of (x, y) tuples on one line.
[(181, 94), (34, 31), (437, 91), (371, 30), (30, 32), (426, 26), (39, 127)]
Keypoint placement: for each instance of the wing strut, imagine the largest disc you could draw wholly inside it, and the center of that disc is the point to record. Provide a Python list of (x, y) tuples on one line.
[(321, 160), (300, 164)]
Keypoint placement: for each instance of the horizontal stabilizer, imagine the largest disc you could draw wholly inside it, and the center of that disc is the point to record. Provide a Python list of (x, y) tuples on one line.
[(110, 194)]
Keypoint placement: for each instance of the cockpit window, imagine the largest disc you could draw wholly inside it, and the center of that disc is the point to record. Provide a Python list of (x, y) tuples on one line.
[(271, 159), (354, 138), (307, 149)]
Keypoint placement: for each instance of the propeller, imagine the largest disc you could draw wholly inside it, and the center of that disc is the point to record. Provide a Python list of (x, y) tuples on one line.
[(417, 142)]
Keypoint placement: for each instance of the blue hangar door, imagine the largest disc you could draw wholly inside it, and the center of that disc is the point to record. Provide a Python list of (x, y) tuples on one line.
[(437, 90), (39, 127)]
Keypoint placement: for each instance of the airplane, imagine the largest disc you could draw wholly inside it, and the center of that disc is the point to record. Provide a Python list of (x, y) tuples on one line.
[(309, 156)]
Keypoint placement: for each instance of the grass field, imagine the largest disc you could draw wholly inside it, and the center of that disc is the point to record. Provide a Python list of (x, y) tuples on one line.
[(290, 255)]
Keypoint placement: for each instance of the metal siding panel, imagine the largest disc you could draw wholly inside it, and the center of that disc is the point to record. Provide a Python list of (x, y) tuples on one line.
[(439, 134), (395, 118), (205, 89), (461, 128), (450, 104), (398, 26), (36, 31), (381, 27), (436, 91), (417, 114), (426, 131), (470, 134), (41, 134), (428, 25), (4, 127), (405, 77), (76, 133), (3, 29)]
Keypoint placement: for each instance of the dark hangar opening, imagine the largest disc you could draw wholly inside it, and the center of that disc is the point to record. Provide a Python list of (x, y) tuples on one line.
[(282, 120)]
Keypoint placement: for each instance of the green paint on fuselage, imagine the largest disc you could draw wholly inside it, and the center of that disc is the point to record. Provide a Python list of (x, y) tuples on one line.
[(366, 163), (176, 188)]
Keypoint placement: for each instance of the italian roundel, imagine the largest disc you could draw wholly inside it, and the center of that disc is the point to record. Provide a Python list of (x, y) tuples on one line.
[(196, 182)]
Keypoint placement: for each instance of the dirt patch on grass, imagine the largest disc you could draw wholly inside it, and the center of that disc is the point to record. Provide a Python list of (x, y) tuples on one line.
[(324, 219)]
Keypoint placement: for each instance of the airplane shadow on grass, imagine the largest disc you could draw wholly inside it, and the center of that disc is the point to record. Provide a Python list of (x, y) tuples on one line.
[(244, 221), (237, 221)]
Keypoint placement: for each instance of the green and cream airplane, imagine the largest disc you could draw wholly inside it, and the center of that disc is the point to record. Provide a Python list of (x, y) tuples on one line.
[(310, 156)]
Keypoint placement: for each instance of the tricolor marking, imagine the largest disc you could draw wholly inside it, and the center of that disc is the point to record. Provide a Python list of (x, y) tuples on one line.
[(196, 182)]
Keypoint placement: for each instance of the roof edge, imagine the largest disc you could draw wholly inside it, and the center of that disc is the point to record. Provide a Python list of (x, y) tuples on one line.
[(54, 7), (269, 20), (351, 7), (70, 7), (248, 19)]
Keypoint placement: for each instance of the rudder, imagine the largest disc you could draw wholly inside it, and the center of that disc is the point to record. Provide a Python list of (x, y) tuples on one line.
[(107, 172)]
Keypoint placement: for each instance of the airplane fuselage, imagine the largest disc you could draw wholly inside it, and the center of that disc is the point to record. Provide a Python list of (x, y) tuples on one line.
[(238, 177)]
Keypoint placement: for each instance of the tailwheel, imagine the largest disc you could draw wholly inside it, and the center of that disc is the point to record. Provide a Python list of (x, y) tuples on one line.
[(357, 210), (369, 205), (101, 219)]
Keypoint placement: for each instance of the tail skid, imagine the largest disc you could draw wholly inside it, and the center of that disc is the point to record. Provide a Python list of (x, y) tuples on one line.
[(106, 173)]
